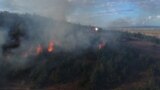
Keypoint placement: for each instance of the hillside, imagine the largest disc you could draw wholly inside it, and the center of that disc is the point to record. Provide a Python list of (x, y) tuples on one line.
[(100, 60)]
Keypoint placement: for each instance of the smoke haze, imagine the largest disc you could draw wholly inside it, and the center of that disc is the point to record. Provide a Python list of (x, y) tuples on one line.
[(57, 9)]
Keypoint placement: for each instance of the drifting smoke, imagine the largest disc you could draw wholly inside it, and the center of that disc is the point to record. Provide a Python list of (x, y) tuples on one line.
[(27, 32), (35, 31), (56, 9), (2, 36), (24, 36), (29, 35)]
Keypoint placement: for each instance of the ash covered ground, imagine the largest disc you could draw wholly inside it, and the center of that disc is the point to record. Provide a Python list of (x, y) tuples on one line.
[(39, 53)]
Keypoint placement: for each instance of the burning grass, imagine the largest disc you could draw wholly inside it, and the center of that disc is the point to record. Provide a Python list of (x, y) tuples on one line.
[(99, 62), (105, 68)]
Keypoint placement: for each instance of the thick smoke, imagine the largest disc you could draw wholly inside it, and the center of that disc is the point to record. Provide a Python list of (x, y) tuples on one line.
[(37, 30), (3, 34), (21, 34), (55, 9), (27, 31)]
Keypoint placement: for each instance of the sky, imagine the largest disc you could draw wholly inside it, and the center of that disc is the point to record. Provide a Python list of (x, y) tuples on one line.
[(104, 13)]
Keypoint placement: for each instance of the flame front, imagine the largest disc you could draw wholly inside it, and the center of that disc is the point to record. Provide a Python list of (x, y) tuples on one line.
[(51, 47)]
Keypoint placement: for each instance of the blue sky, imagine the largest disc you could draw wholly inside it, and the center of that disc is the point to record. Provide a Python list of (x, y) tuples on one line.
[(91, 12)]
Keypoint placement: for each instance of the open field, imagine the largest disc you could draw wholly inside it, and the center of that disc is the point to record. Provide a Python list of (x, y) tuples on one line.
[(155, 33)]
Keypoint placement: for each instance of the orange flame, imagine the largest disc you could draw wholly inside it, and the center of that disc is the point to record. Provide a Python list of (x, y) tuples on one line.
[(39, 49), (51, 47)]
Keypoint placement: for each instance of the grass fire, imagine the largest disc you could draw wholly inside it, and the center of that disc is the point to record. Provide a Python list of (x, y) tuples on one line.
[(51, 47), (39, 53)]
